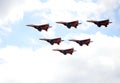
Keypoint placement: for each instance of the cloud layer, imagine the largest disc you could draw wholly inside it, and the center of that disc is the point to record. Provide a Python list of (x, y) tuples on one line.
[(98, 62)]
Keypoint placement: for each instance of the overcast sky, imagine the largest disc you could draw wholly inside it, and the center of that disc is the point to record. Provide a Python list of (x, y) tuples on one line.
[(26, 59)]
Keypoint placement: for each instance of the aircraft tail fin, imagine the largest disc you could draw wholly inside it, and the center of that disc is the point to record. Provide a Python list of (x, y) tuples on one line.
[(79, 23), (50, 26), (91, 41), (74, 50)]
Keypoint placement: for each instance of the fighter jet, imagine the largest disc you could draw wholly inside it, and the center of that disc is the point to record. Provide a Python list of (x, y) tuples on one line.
[(82, 42), (40, 27), (53, 41), (100, 23), (65, 51), (70, 24)]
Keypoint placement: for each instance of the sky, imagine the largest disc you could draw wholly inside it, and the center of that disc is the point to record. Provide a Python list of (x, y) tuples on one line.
[(26, 59)]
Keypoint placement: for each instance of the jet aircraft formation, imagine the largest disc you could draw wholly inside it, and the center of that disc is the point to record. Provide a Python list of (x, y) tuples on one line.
[(68, 25)]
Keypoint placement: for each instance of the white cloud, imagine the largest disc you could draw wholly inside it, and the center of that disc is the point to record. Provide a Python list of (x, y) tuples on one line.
[(97, 62), (61, 10), (81, 8), (109, 5), (13, 10)]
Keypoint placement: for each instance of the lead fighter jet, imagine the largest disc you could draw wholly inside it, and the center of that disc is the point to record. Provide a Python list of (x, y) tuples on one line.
[(65, 51), (40, 27), (53, 41), (100, 23), (81, 42), (70, 24)]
